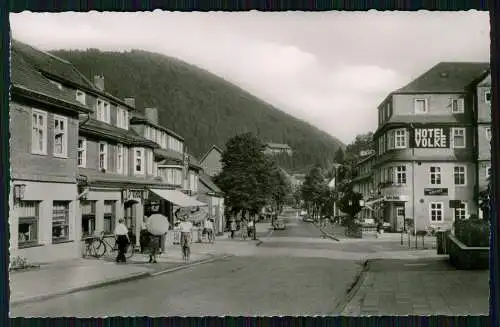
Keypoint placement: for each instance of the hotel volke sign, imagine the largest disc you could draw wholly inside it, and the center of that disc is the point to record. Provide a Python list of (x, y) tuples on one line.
[(430, 137)]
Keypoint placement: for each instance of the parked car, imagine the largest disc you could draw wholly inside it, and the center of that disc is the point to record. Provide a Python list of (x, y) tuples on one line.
[(279, 224), (307, 219)]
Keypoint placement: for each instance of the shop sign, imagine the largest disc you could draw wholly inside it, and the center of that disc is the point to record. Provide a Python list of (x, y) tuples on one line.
[(430, 137), (128, 195), (435, 191)]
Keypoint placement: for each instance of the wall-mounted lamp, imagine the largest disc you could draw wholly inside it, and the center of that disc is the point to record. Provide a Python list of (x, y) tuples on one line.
[(19, 190)]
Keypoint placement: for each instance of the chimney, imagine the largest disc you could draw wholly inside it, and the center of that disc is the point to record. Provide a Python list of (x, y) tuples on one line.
[(130, 102), (99, 82), (151, 115)]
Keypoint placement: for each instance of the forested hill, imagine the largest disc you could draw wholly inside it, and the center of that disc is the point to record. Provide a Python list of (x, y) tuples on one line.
[(203, 108)]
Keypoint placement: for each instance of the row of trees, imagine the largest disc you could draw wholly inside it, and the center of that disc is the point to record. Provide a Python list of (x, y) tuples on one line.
[(250, 179)]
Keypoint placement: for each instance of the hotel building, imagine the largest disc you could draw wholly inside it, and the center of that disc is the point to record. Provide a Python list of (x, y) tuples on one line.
[(427, 141)]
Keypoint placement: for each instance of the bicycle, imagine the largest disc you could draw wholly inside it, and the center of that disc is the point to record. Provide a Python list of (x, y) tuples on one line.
[(100, 246)]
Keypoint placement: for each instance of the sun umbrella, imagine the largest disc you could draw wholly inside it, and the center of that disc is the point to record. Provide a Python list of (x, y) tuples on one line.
[(157, 224)]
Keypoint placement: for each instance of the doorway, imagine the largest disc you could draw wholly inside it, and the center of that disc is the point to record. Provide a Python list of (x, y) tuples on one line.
[(129, 215), (400, 218)]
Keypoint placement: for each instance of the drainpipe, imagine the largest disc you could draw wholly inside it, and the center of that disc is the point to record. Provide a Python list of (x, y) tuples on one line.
[(85, 121)]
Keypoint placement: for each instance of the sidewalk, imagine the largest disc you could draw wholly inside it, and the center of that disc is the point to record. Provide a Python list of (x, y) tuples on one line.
[(423, 287), (71, 276)]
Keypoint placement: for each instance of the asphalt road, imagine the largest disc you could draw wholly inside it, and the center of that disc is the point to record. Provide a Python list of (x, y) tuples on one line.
[(259, 282)]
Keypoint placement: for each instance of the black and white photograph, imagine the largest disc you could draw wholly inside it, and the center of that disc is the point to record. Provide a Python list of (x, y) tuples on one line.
[(249, 163)]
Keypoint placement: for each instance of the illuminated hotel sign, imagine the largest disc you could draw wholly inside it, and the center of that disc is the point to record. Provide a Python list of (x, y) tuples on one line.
[(430, 137)]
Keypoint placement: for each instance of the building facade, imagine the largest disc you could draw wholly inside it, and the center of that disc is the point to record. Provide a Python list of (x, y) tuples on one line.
[(44, 133), (211, 161), (276, 148), (363, 183), (425, 168)]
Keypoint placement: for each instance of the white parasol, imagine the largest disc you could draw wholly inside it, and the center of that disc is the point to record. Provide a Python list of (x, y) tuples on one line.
[(157, 224)]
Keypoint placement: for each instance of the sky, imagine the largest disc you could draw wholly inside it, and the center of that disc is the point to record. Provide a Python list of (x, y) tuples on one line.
[(331, 69)]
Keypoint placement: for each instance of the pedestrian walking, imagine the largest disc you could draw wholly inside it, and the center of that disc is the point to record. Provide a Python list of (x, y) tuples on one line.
[(122, 239), (208, 227), (186, 228), (233, 228), (244, 230), (250, 227)]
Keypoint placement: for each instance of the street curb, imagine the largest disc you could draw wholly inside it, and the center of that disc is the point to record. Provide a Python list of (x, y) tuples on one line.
[(112, 281), (352, 289), (189, 265), (325, 233), (107, 282)]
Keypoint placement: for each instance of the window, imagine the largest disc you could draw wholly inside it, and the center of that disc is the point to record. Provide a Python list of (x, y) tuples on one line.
[(459, 175), (60, 221), (401, 175), (435, 173), (487, 171), (147, 132), (87, 208), (457, 106), (103, 111), (80, 97), (488, 133), (119, 158), (420, 106), (60, 136), (28, 223), (487, 96), (119, 117), (109, 216), (103, 155), (39, 132), (150, 162), (390, 174), (82, 152), (458, 137), (461, 211), (400, 138), (153, 134), (125, 119), (139, 160), (436, 211), (57, 84)]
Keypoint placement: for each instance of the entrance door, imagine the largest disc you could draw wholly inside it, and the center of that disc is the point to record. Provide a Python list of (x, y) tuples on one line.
[(400, 218)]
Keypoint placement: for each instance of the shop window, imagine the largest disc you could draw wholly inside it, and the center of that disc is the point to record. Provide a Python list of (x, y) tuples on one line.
[(87, 209), (436, 211), (459, 175), (461, 211), (435, 175), (60, 221), (28, 223), (109, 216)]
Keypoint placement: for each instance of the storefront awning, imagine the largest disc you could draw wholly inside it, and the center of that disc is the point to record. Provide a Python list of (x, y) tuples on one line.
[(178, 198)]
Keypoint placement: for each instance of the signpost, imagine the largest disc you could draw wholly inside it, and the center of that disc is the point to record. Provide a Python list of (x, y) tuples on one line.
[(430, 137)]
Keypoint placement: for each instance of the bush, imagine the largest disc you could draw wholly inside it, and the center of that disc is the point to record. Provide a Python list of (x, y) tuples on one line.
[(473, 232)]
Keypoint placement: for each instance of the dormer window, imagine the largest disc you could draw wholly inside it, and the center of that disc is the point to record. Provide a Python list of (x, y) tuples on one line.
[(421, 106), (103, 111), (121, 118), (80, 97), (457, 106), (57, 84), (487, 96)]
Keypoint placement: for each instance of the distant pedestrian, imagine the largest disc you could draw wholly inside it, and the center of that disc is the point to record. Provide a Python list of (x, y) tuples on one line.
[(122, 239), (250, 227), (244, 230), (233, 228), (380, 226), (186, 228), (208, 226)]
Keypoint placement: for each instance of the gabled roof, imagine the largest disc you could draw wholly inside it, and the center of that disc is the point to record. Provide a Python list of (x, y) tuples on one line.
[(140, 118), (59, 69), (214, 147), (25, 77), (95, 127), (50, 64), (446, 77), (207, 181)]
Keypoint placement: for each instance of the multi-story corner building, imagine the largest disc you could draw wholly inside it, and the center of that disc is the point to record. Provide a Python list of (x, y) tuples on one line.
[(426, 142), (43, 157), (483, 133), (211, 161), (276, 148)]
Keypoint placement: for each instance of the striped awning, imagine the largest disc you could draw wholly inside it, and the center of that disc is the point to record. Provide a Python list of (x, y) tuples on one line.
[(178, 198)]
